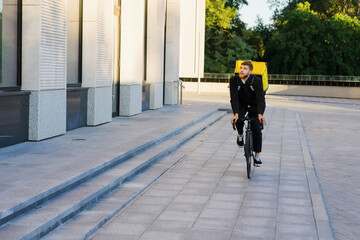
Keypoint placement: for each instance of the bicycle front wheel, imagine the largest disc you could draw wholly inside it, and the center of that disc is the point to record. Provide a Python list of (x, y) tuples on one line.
[(248, 153)]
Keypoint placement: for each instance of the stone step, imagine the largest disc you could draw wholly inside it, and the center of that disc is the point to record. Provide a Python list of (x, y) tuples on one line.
[(87, 190), (90, 220)]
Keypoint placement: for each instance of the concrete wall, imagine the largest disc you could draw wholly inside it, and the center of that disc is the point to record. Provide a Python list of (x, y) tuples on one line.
[(318, 91), (192, 38), (277, 89)]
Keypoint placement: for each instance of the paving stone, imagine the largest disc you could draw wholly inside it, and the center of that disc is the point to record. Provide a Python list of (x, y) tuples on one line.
[(296, 229), (191, 199), (249, 221), (213, 223), (218, 213), (157, 235), (179, 215), (295, 219), (171, 226), (223, 205), (246, 232)]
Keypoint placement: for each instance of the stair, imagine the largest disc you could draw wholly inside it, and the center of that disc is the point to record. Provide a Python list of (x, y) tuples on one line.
[(77, 199)]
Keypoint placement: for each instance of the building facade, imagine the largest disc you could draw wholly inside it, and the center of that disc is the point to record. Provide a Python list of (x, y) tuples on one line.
[(68, 64)]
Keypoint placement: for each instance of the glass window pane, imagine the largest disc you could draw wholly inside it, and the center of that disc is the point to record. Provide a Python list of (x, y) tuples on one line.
[(1, 11), (8, 43), (73, 42)]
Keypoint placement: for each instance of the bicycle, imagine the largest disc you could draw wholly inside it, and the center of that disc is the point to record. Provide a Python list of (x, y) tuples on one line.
[(248, 144)]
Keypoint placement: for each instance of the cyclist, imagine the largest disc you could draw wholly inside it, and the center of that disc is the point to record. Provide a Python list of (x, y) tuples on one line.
[(247, 95)]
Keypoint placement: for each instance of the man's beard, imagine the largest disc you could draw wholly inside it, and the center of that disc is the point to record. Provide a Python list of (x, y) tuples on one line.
[(244, 76)]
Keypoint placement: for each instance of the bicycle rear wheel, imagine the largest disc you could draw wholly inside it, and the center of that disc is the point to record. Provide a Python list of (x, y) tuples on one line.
[(248, 153)]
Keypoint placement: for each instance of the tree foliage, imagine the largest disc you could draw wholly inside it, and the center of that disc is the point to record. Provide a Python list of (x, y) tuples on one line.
[(304, 42), (307, 37), (224, 43)]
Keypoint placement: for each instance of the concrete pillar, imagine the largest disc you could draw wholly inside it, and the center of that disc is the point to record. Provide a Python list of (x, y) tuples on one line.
[(44, 66), (132, 56), (155, 51), (172, 52), (192, 38), (97, 61), (9, 43)]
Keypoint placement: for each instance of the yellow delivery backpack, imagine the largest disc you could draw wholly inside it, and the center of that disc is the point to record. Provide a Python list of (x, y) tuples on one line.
[(260, 69)]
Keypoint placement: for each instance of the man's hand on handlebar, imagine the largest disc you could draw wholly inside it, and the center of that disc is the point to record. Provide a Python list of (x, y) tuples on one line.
[(262, 119), (235, 118)]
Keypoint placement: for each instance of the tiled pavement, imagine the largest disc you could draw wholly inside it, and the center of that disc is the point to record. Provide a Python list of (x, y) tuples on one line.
[(207, 195), (332, 127), (332, 130)]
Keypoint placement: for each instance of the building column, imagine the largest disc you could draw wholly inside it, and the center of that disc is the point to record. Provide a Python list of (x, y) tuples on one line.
[(155, 51), (132, 56), (172, 52), (97, 63), (192, 38), (44, 57)]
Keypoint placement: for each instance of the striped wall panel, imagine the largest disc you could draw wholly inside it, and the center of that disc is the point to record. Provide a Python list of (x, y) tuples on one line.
[(53, 34), (104, 43)]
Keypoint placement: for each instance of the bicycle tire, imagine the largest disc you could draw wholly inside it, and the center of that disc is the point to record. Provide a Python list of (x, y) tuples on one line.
[(248, 153)]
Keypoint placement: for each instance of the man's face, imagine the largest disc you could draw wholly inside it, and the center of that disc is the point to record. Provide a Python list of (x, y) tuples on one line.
[(244, 71)]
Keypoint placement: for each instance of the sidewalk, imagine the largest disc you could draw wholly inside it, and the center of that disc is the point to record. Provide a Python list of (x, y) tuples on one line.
[(208, 196), (29, 168)]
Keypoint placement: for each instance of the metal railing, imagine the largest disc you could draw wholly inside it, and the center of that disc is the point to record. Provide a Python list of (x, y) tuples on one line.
[(313, 78), (181, 84), (287, 79)]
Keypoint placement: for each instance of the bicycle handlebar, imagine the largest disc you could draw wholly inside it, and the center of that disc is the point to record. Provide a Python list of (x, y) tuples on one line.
[(246, 119)]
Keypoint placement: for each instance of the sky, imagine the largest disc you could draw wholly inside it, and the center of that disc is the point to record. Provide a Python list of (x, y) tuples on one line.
[(248, 14)]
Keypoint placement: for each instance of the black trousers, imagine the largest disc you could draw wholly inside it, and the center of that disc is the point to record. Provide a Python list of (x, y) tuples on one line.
[(256, 126)]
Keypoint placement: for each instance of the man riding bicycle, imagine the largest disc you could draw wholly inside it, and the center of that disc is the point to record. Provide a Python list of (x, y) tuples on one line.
[(247, 96)]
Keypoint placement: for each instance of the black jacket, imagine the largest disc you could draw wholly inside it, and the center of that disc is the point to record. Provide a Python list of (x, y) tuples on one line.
[(246, 95)]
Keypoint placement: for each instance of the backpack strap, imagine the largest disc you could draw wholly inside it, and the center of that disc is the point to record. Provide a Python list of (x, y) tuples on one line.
[(238, 82), (252, 82)]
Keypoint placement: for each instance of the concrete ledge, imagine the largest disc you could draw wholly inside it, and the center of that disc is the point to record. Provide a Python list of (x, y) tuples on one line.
[(321, 217), (314, 91), (277, 89)]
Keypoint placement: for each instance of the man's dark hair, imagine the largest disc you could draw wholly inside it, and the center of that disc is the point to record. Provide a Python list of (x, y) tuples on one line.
[(249, 64)]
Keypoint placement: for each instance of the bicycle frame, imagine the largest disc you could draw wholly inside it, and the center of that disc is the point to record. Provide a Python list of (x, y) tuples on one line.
[(248, 146)]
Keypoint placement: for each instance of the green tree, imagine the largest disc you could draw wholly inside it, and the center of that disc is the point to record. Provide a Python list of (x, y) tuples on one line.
[(218, 16), (342, 41), (295, 47), (306, 42), (325, 8), (224, 34)]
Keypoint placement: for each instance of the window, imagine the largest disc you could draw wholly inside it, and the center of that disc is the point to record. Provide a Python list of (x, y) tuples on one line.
[(74, 42), (9, 60)]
